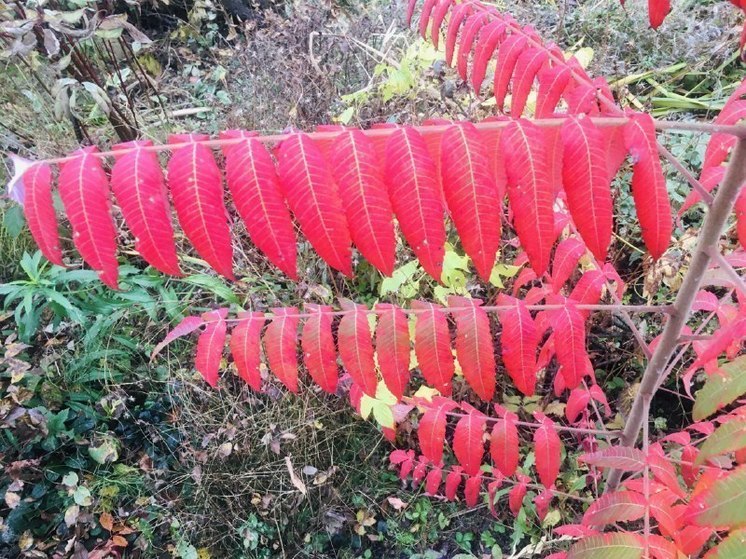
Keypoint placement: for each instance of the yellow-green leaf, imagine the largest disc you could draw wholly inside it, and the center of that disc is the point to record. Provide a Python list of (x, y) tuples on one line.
[(617, 545), (732, 547), (723, 504), (721, 388), (729, 437)]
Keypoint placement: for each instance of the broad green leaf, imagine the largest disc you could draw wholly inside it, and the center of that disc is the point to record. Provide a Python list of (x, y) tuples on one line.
[(732, 547), (729, 437), (105, 452), (723, 504), (82, 496), (721, 388), (617, 545)]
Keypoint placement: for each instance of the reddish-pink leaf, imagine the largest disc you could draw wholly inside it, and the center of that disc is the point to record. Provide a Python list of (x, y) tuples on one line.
[(547, 451), (648, 184), (530, 191), (586, 180), (577, 403), (245, 347), (312, 195), (566, 258), (741, 218), (582, 99), (492, 488), (490, 36), (473, 25), (458, 15), (317, 342), (427, 8), (527, 67), (589, 288), (410, 11), (515, 497), (657, 11), (433, 480), (432, 428), (552, 84), (392, 348), (663, 470), (467, 441), (255, 189), (474, 345), (187, 325), (414, 194), (39, 211), (542, 502), (471, 490), (280, 342), (470, 193), (432, 346), (568, 325), (709, 179), (661, 548), (688, 470), (439, 14), (504, 444), (420, 469), (618, 457), (356, 347), (84, 190), (507, 56), (197, 192), (619, 506), (453, 481), (357, 170), (139, 187), (519, 341), (210, 345), (691, 539)]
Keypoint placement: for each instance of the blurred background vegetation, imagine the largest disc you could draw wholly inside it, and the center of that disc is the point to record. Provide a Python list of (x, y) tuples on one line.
[(107, 454)]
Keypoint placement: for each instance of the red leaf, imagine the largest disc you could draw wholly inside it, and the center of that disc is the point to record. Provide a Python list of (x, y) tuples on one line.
[(433, 480), (663, 470), (470, 193), (414, 194), (471, 490), (542, 502), (528, 65), (648, 184), (709, 179), (492, 488), (504, 444), (356, 347), (552, 84), (515, 497), (197, 191), (519, 341), (458, 15), (588, 290), (187, 325), (392, 348), (357, 170), (474, 345), (740, 209), (467, 442), (620, 506), (255, 189), (530, 191), (439, 14), (139, 187), (410, 11), (317, 342), (577, 403), (568, 325), (507, 56), (38, 208), (245, 347), (547, 451), (491, 35), (432, 428), (586, 180), (473, 24), (661, 548), (453, 481), (84, 190), (210, 346), (688, 470), (657, 11), (312, 195), (432, 346), (280, 341), (566, 258), (619, 457), (427, 8)]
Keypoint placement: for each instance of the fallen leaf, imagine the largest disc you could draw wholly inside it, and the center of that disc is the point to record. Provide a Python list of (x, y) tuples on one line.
[(294, 479)]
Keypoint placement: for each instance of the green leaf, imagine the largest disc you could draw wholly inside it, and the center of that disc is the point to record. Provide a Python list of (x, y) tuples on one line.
[(82, 497), (615, 545), (721, 388), (723, 504), (732, 547), (105, 452), (402, 281), (70, 479), (729, 437), (13, 221), (216, 286)]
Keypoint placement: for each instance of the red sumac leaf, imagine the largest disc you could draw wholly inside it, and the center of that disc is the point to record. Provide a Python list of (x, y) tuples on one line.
[(566, 258), (280, 346), (473, 25), (542, 501), (356, 347), (552, 83), (528, 65), (470, 194), (425, 13), (467, 441), (619, 506), (547, 451), (568, 325), (648, 184), (432, 346), (618, 457), (439, 14), (458, 15), (515, 497), (433, 480), (392, 348), (187, 325), (312, 195), (529, 190), (255, 189), (210, 345), (197, 192), (38, 208), (357, 170), (474, 345), (489, 37), (587, 184), (519, 341), (471, 490), (245, 347), (453, 481), (619, 545), (507, 56), (577, 403), (504, 444), (415, 196), (139, 187), (317, 342), (432, 428), (657, 11), (84, 190)]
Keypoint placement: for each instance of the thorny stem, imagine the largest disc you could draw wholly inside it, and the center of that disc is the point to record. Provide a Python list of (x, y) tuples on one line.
[(708, 241)]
